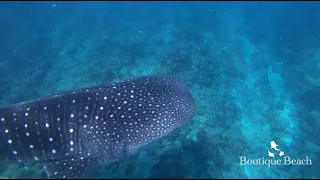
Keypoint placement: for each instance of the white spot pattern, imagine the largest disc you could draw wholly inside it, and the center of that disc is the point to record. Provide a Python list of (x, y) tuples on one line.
[(113, 120)]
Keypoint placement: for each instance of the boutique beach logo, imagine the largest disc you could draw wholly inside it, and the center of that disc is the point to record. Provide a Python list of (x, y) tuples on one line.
[(276, 156)]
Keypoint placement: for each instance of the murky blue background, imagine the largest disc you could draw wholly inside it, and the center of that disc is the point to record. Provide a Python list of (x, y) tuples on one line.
[(253, 68)]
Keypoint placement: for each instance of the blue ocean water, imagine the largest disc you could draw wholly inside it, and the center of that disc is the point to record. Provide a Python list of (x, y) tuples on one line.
[(252, 67)]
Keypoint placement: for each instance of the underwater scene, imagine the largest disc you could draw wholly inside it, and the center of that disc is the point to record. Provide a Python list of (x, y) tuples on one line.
[(237, 86)]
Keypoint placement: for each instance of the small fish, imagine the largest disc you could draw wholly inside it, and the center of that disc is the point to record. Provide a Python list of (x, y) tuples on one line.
[(270, 154), (74, 132)]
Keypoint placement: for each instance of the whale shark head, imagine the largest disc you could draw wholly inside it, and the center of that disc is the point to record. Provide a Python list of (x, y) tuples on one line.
[(139, 112)]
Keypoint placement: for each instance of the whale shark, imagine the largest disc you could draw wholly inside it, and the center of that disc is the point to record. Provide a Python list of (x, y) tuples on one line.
[(74, 132)]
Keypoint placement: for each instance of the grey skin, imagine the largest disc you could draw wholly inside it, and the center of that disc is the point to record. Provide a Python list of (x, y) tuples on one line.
[(74, 132)]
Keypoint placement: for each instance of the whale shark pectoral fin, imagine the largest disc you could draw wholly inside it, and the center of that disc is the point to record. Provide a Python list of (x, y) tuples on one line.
[(73, 168)]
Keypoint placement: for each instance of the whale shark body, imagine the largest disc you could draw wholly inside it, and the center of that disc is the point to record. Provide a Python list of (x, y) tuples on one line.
[(74, 132)]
